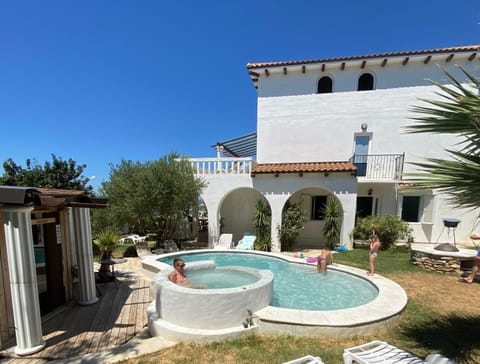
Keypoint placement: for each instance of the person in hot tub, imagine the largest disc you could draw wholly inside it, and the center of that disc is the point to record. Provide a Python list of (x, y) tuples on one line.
[(178, 277), (476, 266)]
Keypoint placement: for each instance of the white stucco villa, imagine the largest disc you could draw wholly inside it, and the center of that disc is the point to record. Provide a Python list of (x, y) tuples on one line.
[(337, 126)]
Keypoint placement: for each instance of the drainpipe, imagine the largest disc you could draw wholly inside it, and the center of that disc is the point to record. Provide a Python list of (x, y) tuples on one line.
[(23, 279)]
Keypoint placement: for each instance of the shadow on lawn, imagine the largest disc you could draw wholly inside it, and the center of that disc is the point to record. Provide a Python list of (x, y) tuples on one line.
[(455, 336)]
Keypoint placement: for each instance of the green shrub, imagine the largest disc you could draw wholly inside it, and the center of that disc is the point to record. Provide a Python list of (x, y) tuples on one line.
[(293, 221), (261, 224), (333, 221), (389, 228)]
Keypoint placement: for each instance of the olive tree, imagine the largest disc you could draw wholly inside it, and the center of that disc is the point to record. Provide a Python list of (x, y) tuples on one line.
[(156, 193)]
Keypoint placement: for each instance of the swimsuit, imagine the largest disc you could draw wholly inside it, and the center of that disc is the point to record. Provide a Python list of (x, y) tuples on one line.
[(373, 254), (181, 278)]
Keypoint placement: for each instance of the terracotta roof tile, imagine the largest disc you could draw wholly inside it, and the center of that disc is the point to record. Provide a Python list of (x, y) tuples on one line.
[(469, 48), (307, 167)]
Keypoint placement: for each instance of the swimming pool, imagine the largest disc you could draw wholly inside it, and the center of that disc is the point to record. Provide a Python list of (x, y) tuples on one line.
[(295, 285), (220, 278), (365, 319)]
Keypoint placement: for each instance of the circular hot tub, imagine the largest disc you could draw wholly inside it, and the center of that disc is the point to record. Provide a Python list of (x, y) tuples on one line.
[(208, 309)]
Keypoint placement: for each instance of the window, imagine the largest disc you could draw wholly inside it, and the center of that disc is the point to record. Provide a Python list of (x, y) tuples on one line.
[(325, 85), (362, 142), (318, 204), (411, 208), (365, 82), (364, 206)]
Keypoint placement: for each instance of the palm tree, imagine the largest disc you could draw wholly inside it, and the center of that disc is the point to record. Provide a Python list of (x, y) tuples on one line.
[(333, 213), (457, 112)]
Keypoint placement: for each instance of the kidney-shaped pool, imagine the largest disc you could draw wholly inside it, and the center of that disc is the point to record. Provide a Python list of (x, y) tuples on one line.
[(295, 285)]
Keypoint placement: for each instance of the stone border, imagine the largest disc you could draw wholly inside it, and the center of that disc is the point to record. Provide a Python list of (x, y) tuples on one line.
[(428, 258)]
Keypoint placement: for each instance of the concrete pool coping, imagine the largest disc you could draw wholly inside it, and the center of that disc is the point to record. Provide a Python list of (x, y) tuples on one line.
[(382, 311)]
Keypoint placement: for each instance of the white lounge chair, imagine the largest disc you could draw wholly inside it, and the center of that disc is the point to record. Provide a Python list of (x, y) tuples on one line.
[(133, 238), (307, 359), (382, 352), (246, 243), (224, 242)]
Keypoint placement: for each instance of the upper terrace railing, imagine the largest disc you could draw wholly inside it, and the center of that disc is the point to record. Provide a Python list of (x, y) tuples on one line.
[(379, 166), (204, 166)]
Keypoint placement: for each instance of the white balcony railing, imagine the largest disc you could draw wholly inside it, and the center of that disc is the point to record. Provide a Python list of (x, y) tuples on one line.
[(206, 166), (379, 166)]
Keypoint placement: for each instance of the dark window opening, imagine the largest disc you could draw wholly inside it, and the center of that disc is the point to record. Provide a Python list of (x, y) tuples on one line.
[(325, 85), (411, 208), (318, 206), (365, 82), (364, 206)]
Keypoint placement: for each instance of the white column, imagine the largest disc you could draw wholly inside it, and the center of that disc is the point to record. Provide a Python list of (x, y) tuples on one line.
[(83, 243), (276, 205), (23, 279)]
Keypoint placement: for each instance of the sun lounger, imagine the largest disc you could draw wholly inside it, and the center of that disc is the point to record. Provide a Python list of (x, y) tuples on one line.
[(224, 241), (382, 352), (307, 359), (246, 243)]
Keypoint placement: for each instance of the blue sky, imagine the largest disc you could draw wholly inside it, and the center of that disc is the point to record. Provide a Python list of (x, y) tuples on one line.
[(105, 80)]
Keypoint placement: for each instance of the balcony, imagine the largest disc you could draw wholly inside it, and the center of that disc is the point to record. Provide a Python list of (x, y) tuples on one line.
[(380, 167), (209, 166)]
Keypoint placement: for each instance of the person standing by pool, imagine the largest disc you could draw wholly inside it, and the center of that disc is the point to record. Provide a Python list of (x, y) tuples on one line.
[(374, 246), (322, 260)]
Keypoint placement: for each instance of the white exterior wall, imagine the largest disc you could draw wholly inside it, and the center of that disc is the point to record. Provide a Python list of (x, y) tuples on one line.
[(321, 127)]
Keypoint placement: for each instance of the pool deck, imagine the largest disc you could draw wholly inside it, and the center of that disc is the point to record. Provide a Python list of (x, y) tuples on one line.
[(383, 311)]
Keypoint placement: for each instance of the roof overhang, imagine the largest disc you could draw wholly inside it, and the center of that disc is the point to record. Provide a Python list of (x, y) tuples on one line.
[(265, 69), (46, 198), (305, 167), (242, 146)]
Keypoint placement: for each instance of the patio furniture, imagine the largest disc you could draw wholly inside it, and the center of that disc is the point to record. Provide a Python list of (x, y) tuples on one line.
[(143, 249), (134, 238), (224, 242), (382, 352), (307, 359), (246, 243)]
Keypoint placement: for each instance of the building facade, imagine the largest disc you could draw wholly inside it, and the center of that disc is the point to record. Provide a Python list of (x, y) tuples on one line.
[(338, 126)]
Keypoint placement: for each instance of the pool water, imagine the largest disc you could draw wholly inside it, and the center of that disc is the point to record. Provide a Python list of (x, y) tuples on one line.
[(221, 278), (296, 286)]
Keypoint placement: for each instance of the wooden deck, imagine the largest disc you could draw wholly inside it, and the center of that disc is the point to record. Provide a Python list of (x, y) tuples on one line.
[(117, 317)]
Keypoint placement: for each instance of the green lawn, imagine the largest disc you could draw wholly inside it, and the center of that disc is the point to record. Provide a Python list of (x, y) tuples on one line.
[(442, 316)]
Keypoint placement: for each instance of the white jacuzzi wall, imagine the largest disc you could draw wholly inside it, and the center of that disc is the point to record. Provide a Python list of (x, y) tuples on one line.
[(211, 309)]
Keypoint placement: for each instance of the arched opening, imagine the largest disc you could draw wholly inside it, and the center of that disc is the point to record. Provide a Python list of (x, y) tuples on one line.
[(365, 82), (325, 85), (237, 212), (312, 201)]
